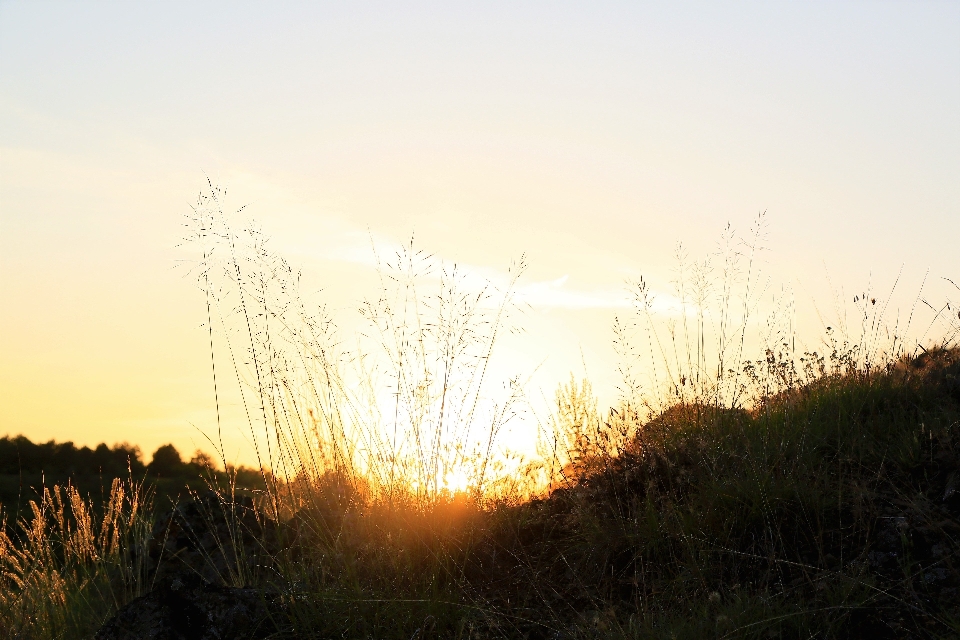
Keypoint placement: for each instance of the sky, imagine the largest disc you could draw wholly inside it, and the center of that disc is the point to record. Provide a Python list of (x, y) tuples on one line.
[(591, 137)]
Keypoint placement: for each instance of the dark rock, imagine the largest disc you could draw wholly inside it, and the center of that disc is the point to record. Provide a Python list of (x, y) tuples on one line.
[(188, 608)]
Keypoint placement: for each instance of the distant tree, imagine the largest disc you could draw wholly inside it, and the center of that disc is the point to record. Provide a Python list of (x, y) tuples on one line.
[(20, 455), (166, 461), (202, 461), (129, 458)]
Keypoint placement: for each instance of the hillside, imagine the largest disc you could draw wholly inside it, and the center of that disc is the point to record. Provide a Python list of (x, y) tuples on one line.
[(830, 509)]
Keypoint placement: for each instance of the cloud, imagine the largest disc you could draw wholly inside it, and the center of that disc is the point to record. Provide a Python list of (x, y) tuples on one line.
[(355, 248), (345, 243), (554, 294)]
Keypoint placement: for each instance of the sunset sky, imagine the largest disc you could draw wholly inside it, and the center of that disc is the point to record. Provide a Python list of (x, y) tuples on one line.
[(591, 136)]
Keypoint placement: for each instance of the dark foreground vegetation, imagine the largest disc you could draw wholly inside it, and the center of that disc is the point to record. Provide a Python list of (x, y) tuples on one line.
[(831, 509)]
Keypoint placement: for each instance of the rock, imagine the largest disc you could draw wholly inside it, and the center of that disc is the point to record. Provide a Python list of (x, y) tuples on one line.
[(189, 608)]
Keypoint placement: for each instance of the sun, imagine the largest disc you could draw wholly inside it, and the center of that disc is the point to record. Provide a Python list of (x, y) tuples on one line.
[(456, 481)]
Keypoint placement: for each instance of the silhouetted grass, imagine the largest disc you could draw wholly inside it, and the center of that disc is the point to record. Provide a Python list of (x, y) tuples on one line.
[(797, 495), (825, 511), (775, 522)]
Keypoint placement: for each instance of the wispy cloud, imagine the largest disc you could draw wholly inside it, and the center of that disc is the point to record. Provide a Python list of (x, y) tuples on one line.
[(345, 243), (555, 294)]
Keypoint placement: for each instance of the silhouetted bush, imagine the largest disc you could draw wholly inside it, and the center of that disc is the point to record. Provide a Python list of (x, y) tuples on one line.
[(166, 462)]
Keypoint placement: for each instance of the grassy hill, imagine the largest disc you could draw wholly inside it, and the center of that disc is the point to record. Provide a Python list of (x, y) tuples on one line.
[(829, 509)]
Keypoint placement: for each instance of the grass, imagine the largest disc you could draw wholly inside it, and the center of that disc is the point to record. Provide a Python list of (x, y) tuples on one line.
[(818, 514), (70, 569), (797, 495)]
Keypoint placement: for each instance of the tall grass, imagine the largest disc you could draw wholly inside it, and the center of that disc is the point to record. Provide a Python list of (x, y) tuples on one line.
[(723, 485), (64, 569), (795, 493), (379, 451), (404, 412), (702, 351)]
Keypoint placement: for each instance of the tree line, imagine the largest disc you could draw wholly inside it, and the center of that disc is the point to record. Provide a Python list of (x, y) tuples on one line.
[(20, 455), (27, 467)]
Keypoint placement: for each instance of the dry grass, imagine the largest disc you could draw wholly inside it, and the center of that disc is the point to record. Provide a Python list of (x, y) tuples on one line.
[(725, 496), (404, 413), (67, 569)]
